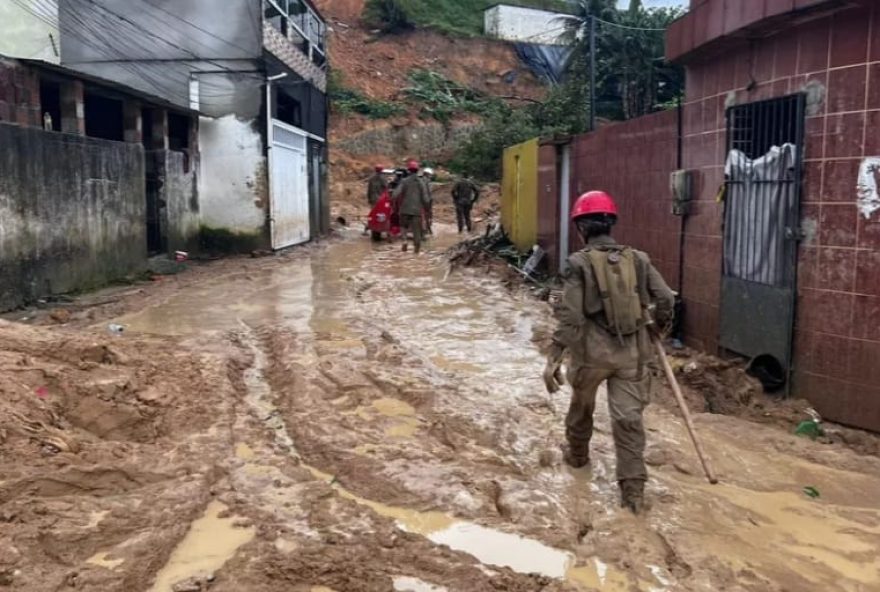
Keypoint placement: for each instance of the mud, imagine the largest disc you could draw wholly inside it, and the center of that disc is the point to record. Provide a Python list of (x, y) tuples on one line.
[(349, 418)]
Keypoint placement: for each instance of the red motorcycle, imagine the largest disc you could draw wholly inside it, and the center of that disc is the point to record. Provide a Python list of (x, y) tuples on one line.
[(384, 219)]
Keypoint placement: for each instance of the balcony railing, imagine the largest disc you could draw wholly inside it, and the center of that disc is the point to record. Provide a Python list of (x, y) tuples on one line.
[(300, 25)]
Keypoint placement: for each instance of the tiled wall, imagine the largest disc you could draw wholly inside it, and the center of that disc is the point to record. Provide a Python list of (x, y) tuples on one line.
[(633, 161), (835, 59)]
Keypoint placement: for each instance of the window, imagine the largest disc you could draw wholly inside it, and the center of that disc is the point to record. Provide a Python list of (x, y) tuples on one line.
[(104, 117), (300, 24), (178, 137), (275, 15), (288, 109), (50, 105)]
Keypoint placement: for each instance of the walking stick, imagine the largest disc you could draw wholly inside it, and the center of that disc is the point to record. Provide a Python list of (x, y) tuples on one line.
[(679, 397)]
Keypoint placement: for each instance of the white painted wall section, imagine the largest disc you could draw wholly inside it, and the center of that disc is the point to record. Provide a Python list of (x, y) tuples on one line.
[(25, 30), (233, 191), (528, 25)]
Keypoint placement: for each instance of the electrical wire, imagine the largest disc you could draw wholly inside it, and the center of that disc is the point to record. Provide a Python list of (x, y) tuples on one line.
[(619, 26)]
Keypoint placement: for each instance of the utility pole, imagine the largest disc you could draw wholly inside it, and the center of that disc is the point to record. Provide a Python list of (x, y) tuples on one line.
[(592, 73)]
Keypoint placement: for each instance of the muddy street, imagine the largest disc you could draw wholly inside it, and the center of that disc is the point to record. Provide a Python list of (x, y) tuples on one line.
[(349, 418)]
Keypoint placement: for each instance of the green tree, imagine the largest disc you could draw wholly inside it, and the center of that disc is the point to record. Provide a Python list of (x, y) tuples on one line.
[(632, 75)]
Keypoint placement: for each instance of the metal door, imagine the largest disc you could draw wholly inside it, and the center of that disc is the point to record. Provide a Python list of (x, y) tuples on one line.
[(289, 183), (761, 227)]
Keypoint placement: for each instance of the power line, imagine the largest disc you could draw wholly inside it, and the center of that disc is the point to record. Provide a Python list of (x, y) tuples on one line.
[(619, 26)]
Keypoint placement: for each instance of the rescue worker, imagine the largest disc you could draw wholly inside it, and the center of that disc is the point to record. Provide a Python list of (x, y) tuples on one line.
[(465, 194), (427, 178), (605, 325), (376, 186), (411, 199)]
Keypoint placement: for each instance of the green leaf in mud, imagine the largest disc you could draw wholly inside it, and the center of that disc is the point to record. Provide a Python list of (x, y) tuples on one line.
[(811, 491), (810, 429)]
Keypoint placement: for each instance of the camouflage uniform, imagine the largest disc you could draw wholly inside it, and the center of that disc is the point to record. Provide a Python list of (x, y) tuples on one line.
[(412, 199)]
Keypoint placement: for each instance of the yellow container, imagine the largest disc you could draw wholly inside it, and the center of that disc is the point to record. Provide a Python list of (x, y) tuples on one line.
[(519, 194)]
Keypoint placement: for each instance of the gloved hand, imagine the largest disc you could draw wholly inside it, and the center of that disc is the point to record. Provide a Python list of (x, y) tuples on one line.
[(553, 378)]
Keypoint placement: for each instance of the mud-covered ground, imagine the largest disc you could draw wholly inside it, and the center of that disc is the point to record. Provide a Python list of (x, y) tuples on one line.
[(347, 417)]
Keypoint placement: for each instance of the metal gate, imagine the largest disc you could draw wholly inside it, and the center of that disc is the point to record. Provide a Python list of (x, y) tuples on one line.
[(762, 228), (289, 183)]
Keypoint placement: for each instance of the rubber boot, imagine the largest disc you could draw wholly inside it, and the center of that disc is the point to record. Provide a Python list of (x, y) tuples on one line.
[(576, 458), (632, 495)]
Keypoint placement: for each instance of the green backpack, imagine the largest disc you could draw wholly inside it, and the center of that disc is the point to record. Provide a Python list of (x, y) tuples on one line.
[(620, 277)]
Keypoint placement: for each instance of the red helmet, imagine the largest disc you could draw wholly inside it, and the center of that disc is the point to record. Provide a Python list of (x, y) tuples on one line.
[(412, 166), (379, 168), (593, 202)]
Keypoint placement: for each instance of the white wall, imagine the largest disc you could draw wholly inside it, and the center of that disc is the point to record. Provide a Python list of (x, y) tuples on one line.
[(514, 23), (25, 33), (233, 191)]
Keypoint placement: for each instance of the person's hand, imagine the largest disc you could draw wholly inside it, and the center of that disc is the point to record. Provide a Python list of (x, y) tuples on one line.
[(553, 378)]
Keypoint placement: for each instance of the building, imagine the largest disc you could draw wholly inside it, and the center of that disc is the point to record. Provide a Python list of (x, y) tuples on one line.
[(256, 71), (773, 236), (87, 192), (520, 24)]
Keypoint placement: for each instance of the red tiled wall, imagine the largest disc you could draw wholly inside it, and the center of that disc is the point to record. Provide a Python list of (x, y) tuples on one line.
[(633, 161), (837, 357), (19, 95)]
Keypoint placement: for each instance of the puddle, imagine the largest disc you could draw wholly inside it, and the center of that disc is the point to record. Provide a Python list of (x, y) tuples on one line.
[(210, 542), (101, 560), (490, 546), (243, 451)]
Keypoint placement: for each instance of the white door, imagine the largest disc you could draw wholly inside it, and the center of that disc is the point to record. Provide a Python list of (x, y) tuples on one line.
[(289, 182)]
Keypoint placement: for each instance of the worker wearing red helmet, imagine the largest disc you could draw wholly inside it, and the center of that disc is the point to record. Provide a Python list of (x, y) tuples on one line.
[(412, 200), (377, 185), (603, 324)]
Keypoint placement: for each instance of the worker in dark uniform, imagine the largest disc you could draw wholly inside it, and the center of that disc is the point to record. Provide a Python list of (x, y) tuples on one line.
[(465, 193), (376, 186), (604, 323), (412, 200), (427, 179)]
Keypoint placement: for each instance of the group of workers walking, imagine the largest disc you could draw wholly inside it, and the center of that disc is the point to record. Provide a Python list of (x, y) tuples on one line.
[(414, 201), (614, 303)]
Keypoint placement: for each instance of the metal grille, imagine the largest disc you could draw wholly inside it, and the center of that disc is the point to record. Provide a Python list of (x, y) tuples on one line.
[(763, 187), (289, 138)]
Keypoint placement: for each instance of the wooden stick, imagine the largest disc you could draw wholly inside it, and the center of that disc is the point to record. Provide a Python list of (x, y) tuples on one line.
[(679, 397)]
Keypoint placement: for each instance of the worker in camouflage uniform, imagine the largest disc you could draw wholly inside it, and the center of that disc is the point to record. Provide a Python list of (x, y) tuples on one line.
[(605, 325), (465, 194), (376, 186), (412, 199)]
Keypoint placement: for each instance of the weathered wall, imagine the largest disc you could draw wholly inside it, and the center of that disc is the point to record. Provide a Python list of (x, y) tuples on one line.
[(430, 142), (178, 190), (519, 194), (72, 213), (233, 178), (837, 339), (530, 25), (19, 94), (25, 32)]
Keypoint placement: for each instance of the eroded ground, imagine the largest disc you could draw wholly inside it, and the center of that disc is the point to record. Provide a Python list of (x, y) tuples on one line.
[(347, 417)]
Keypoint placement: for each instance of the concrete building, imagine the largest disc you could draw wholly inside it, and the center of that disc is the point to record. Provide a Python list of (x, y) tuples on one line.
[(525, 25), (256, 71), (87, 192)]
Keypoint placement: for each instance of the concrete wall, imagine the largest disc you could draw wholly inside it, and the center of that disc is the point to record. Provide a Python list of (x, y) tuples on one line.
[(233, 179), (72, 213), (529, 25), (430, 142), (25, 33), (836, 59), (178, 190)]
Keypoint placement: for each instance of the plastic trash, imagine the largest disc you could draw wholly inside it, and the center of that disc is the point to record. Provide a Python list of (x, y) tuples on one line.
[(811, 429), (115, 329), (811, 492)]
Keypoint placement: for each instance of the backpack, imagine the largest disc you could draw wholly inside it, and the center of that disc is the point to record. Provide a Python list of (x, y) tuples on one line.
[(621, 279)]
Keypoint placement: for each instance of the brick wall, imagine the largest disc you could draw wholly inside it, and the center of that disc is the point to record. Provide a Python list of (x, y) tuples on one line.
[(836, 60), (19, 95), (293, 57), (633, 162)]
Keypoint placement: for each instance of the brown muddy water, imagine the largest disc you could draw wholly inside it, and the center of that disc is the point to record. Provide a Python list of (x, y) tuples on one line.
[(416, 402)]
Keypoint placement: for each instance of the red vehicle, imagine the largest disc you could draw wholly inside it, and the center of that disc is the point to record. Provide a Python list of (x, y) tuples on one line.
[(384, 218)]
